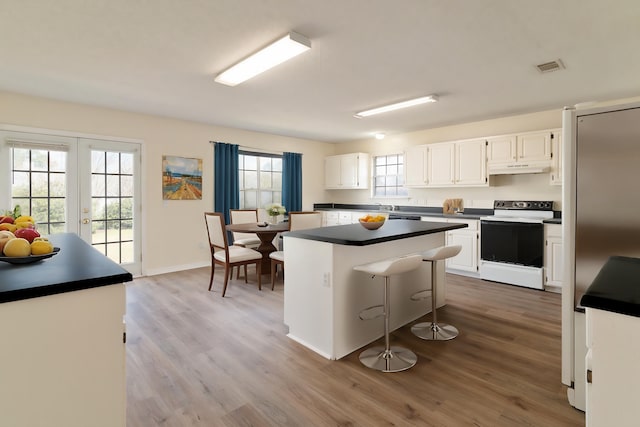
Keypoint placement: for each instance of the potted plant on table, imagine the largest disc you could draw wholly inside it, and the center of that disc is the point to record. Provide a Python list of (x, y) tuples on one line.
[(274, 210)]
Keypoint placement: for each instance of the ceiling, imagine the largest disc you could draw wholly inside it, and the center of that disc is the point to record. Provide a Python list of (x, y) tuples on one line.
[(160, 56)]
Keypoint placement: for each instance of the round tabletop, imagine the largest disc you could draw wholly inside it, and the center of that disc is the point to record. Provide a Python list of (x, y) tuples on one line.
[(258, 227)]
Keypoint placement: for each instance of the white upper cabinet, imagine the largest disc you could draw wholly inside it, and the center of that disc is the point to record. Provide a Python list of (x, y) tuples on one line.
[(441, 164), (415, 166), (521, 153), (556, 157), (534, 147), (347, 171), (471, 163), (502, 149)]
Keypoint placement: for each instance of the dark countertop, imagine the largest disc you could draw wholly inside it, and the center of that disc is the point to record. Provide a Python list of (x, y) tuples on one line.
[(415, 211), (616, 288), (357, 235), (77, 266)]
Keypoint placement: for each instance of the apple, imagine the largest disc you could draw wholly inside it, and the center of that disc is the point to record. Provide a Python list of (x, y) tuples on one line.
[(5, 236), (27, 233), (7, 219)]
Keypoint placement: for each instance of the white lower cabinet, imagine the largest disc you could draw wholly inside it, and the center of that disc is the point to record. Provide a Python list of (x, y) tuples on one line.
[(553, 257), (467, 261), (612, 369), (63, 359)]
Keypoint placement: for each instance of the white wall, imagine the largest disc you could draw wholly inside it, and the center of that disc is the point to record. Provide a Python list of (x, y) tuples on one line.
[(174, 235)]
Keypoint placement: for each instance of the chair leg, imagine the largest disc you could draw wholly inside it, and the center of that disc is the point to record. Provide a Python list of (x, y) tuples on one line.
[(226, 279), (245, 273), (259, 273), (274, 272), (213, 268)]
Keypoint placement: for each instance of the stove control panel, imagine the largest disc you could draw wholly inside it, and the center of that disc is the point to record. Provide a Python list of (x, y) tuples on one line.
[(529, 205)]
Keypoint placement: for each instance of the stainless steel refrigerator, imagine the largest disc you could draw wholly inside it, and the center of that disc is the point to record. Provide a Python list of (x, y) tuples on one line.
[(601, 215)]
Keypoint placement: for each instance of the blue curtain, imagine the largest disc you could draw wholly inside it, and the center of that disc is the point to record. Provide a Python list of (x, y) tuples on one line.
[(225, 173), (292, 181)]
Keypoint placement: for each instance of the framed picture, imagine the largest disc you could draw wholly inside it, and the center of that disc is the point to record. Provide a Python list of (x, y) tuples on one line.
[(181, 178)]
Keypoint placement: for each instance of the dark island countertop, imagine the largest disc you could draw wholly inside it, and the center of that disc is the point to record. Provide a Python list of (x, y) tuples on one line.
[(357, 235), (616, 288), (77, 266)]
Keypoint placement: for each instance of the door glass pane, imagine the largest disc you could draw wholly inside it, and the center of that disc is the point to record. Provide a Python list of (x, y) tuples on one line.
[(112, 205), (39, 187)]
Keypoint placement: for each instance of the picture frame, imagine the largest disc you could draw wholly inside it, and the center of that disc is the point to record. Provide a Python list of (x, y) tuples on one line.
[(181, 178)]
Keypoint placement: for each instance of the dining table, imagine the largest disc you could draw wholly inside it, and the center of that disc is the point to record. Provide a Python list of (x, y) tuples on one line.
[(266, 232)]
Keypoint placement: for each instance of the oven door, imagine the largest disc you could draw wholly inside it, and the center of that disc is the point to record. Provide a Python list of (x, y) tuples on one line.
[(520, 243)]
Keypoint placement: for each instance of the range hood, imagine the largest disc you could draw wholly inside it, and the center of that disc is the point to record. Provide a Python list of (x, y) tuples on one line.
[(518, 168)]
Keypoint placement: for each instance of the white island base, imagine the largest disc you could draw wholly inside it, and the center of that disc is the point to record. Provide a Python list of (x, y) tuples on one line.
[(323, 295)]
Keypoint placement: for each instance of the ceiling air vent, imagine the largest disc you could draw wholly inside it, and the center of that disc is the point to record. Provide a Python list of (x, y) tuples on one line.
[(548, 67)]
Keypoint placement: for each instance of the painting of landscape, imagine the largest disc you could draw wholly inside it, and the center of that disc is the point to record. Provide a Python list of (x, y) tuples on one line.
[(181, 178)]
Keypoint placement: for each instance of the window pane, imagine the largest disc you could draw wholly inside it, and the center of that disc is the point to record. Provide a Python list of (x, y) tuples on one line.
[(251, 163), (266, 198), (113, 162), (388, 177), (250, 199), (39, 184), (250, 180), (97, 185), (57, 161), (265, 180), (39, 160), (20, 159), (265, 163), (20, 187), (57, 210), (57, 185), (277, 164), (392, 170), (113, 185), (97, 162), (277, 181), (126, 186), (381, 161), (126, 163)]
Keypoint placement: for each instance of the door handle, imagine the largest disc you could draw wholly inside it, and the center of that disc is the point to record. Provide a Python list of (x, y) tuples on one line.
[(85, 220)]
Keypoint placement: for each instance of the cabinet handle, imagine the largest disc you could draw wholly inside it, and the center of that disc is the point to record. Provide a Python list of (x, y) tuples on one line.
[(589, 376)]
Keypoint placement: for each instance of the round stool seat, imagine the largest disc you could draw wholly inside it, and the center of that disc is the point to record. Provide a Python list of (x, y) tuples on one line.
[(387, 358), (433, 330), (389, 267)]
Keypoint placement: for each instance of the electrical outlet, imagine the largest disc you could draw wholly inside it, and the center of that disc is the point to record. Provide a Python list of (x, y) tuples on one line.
[(326, 282)]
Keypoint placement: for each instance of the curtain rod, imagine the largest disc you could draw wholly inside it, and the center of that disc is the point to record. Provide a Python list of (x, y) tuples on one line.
[(258, 150)]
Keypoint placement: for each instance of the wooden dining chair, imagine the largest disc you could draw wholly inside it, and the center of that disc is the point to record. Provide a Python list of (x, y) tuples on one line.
[(297, 221), (228, 256), (245, 240)]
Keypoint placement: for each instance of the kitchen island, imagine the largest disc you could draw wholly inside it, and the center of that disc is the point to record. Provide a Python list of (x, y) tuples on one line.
[(63, 354), (323, 295)]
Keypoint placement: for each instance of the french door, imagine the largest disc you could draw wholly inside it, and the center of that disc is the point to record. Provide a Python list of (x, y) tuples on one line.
[(72, 184)]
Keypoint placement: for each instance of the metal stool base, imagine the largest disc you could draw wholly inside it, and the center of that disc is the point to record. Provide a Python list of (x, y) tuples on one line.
[(395, 360), (434, 332)]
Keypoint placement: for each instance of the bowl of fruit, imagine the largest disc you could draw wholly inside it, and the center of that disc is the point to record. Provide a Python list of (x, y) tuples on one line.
[(372, 222)]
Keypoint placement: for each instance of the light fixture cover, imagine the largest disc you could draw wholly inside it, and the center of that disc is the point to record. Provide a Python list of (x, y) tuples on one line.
[(276, 53), (398, 105)]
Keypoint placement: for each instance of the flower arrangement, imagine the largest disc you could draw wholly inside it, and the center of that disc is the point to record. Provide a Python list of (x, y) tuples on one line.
[(275, 210)]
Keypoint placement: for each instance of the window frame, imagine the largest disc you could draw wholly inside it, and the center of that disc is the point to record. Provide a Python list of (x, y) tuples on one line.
[(276, 194)]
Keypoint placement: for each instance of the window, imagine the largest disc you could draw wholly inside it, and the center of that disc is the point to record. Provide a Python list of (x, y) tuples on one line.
[(388, 176), (260, 179)]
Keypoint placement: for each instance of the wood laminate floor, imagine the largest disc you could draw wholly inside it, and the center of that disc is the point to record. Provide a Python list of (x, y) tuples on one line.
[(194, 358)]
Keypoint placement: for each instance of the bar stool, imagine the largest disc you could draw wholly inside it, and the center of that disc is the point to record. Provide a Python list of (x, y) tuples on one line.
[(387, 358), (434, 330)]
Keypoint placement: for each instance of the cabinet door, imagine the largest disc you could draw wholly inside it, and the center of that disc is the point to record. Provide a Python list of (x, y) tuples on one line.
[(440, 166), (332, 173), (501, 149), (534, 147), (471, 162), (554, 264), (415, 166), (349, 171), (467, 259), (556, 157)]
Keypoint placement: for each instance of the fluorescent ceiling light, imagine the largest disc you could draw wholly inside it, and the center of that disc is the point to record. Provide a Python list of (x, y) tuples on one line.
[(397, 106), (379, 135), (276, 53)]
